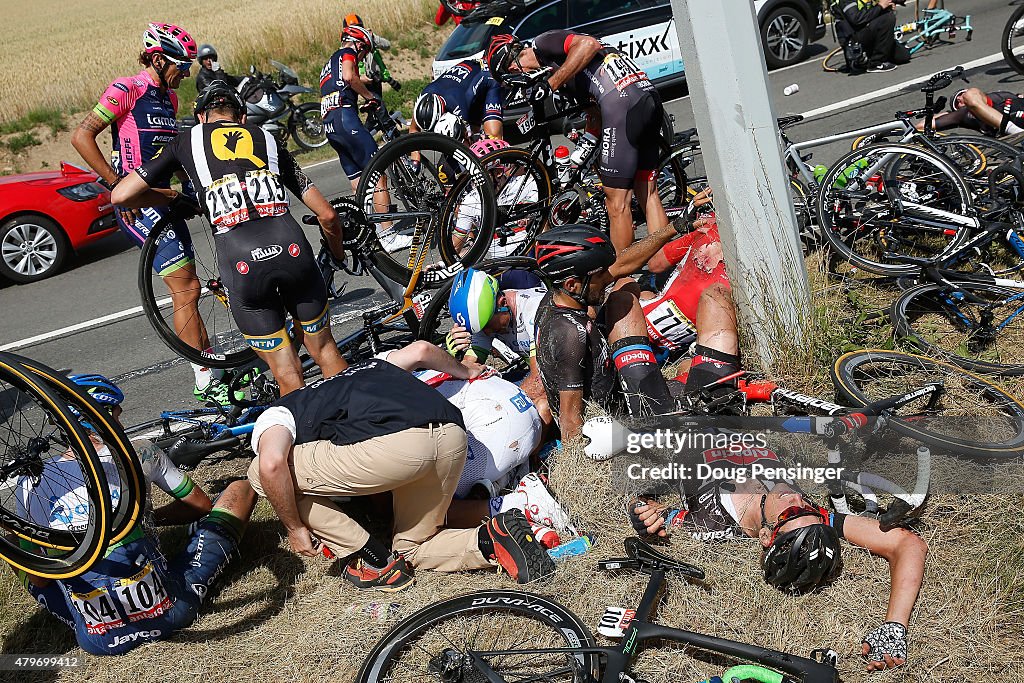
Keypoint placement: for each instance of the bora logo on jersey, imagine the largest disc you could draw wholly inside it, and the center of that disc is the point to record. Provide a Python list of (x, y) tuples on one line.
[(230, 143)]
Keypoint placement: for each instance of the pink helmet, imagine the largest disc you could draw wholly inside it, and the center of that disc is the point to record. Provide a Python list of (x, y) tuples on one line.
[(487, 145), (171, 40)]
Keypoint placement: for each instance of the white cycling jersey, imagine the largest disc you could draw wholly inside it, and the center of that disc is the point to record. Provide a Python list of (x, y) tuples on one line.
[(521, 335)]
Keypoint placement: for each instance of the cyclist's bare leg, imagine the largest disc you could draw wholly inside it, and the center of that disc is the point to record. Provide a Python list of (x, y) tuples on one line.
[(324, 350), (286, 368), (620, 218), (622, 311), (716, 322), (238, 499), (467, 513), (647, 196), (185, 288)]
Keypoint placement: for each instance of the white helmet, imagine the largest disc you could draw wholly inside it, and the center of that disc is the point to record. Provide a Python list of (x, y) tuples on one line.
[(451, 125), (607, 438)]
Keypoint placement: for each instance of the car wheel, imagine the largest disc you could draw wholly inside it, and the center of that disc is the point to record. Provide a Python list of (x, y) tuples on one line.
[(785, 35), (31, 248)]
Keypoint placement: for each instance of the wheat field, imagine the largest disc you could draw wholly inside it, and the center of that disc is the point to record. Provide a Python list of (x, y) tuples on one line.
[(60, 54)]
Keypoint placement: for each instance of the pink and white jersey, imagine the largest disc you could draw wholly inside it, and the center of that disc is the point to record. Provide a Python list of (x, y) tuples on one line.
[(142, 119)]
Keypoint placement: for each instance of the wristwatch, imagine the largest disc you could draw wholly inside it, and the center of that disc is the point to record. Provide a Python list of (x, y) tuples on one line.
[(109, 186)]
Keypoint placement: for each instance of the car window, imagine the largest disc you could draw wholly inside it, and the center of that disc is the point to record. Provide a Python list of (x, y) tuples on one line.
[(545, 19), (588, 11), (469, 39)]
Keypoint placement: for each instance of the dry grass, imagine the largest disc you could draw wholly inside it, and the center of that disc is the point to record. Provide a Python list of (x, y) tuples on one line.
[(281, 618), (70, 51)]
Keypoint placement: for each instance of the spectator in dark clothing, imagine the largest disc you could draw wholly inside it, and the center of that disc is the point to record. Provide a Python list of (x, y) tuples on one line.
[(872, 24), (210, 71)]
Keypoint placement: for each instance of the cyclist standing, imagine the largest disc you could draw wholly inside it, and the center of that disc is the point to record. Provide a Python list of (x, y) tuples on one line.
[(141, 111), (629, 121), (372, 67), (264, 258), (463, 98), (340, 88)]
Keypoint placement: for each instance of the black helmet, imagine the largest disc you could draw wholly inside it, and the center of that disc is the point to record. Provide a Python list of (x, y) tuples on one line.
[(573, 251), (206, 50), (218, 95), (501, 52), (802, 559)]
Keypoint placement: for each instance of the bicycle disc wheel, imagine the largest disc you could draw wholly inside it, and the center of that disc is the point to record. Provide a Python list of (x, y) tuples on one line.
[(228, 347), (984, 336), (449, 179), (1013, 40), (432, 644), (522, 188), (834, 61), (54, 499), (860, 222), (128, 480), (971, 416)]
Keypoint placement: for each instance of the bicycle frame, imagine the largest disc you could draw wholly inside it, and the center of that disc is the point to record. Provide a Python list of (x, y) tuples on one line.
[(932, 23), (795, 160)]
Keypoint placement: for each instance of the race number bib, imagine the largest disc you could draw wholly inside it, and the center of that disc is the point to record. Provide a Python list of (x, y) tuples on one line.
[(622, 71), (97, 609), (266, 192), (225, 200), (667, 325), (143, 595)]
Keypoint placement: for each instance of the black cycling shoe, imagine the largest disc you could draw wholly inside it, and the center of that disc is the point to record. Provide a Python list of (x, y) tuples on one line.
[(516, 549)]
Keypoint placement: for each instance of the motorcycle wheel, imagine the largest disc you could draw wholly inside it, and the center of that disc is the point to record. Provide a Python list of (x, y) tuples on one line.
[(306, 126)]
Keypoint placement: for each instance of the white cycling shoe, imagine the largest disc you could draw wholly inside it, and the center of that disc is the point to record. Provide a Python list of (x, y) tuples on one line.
[(392, 241), (533, 498)]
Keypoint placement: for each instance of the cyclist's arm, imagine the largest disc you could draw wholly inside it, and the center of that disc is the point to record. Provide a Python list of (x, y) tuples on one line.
[(422, 355), (903, 550), (493, 105), (581, 50), (859, 17), (632, 258), (532, 385), (570, 414), (296, 180), (84, 142), (350, 72), (134, 190)]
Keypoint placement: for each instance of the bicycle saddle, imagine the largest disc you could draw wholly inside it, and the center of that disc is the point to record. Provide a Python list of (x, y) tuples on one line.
[(787, 121), (645, 558)]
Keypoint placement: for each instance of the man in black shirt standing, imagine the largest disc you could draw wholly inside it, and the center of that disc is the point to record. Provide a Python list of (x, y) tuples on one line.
[(346, 436), (265, 261)]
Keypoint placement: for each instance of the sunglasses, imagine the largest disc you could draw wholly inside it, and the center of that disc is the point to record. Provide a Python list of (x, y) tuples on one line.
[(789, 514), (183, 65)]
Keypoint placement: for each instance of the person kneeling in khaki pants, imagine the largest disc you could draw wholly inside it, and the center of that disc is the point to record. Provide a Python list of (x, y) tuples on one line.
[(370, 429)]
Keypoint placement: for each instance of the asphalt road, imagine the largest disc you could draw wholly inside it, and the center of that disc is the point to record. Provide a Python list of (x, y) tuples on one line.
[(101, 281)]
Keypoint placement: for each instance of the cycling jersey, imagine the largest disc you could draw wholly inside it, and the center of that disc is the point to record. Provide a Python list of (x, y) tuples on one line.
[(469, 92), (239, 170), (572, 354), (521, 334), (334, 91), (142, 120), (345, 131), (963, 116), (1012, 108), (631, 110), (671, 314)]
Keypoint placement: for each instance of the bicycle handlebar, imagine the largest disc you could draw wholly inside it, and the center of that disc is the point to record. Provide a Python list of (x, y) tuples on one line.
[(944, 79)]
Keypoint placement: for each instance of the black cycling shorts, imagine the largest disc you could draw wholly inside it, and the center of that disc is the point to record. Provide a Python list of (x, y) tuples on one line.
[(631, 142), (269, 270)]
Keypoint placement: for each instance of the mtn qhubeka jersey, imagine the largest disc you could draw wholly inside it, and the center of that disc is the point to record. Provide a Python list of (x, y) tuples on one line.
[(141, 117)]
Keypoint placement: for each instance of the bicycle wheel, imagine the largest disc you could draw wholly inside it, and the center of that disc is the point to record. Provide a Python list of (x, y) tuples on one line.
[(860, 222), (834, 61), (1013, 40), (971, 416), (128, 479), (54, 498), (227, 347), (433, 643), (803, 207), (416, 196), (986, 335), (523, 194), (976, 156)]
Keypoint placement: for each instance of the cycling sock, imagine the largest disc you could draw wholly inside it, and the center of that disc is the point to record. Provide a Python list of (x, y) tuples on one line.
[(234, 526), (484, 542), (375, 554), (203, 376), (708, 366), (641, 379)]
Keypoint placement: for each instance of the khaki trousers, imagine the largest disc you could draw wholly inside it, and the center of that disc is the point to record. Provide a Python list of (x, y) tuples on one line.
[(421, 468)]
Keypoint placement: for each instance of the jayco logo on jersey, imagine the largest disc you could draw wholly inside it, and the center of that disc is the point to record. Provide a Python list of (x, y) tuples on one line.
[(130, 637), (266, 253)]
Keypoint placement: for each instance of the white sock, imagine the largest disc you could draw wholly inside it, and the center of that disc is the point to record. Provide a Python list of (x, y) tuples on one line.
[(203, 376)]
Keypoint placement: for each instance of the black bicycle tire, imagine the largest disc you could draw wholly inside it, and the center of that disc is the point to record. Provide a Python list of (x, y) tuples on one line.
[(904, 327), (293, 125), (166, 333), (84, 552), (679, 176), (846, 385), (835, 242), (543, 202), (1015, 62), (417, 142), (542, 609), (132, 500)]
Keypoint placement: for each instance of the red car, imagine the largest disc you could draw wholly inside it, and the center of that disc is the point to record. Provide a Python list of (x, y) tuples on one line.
[(46, 216)]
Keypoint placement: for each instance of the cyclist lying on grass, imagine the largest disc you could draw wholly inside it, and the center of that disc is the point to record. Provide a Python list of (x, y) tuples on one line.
[(135, 594), (800, 542), (371, 429), (502, 428)]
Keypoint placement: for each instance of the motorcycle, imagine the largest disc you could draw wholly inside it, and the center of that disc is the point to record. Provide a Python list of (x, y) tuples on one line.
[(269, 104)]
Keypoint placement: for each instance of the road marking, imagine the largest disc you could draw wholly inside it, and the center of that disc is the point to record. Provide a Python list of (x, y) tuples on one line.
[(319, 163), (878, 94)]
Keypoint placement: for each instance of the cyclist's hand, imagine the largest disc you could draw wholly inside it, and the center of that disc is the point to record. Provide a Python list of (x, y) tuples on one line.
[(331, 225), (477, 370), (647, 517), (129, 216), (540, 92), (458, 339), (369, 105), (886, 646), (301, 542)]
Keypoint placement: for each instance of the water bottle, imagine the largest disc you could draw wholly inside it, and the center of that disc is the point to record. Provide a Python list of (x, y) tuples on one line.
[(851, 172), (819, 172), (791, 90), (562, 163), (577, 546), (584, 146)]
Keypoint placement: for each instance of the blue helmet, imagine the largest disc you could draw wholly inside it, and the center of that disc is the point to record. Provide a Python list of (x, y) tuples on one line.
[(105, 392), (474, 299)]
